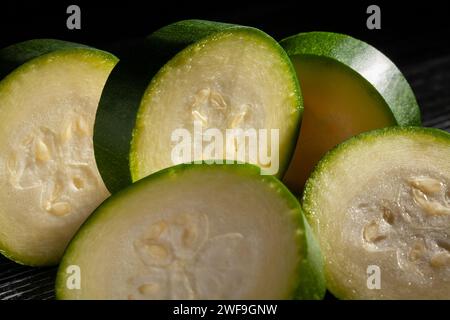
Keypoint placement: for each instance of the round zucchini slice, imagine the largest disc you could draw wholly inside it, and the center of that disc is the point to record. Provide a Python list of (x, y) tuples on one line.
[(220, 76), (195, 232), (48, 176), (379, 204), (348, 87)]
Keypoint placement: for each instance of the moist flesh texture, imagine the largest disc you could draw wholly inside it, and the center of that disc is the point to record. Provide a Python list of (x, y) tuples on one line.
[(49, 178), (139, 62), (338, 104), (196, 233), (235, 80), (385, 202)]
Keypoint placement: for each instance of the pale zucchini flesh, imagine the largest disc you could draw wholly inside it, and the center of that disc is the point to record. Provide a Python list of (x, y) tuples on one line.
[(383, 199), (49, 178), (193, 232), (238, 78)]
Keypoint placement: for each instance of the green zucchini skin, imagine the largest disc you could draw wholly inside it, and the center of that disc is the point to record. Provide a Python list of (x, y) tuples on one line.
[(368, 62), (17, 54), (121, 97)]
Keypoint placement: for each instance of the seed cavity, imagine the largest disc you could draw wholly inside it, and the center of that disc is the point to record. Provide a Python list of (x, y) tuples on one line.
[(42, 151), (153, 253), (238, 119), (44, 160), (156, 230), (173, 249), (78, 182), (372, 234), (430, 207), (157, 252), (81, 126), (189, 237), (66, 134), (440, 260), (28, 140), (417, 251), (388, 215), (199, 117), (202, 95), (437, 209), (413, 218), (56, 191), (426, 184), (58, 209), (12, 164), (217, 100), (208, 104), (189, 232)]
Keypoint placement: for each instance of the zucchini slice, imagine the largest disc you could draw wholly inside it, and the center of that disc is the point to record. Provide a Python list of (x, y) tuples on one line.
[(195, 232), (348, 87), (383, 199), (49, 179), (219, 75)]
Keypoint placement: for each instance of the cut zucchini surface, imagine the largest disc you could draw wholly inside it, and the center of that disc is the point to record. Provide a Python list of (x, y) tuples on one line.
[(196, 232), (348, 87), (383, 198), (222, 77), (49, 179)]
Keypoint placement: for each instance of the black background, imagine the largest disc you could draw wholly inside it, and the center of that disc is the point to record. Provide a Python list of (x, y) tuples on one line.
[(416, 36), (411, 30)]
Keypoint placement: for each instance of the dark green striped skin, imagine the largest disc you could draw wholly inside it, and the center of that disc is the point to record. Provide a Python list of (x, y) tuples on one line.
[(368, 62), (17, 54)]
